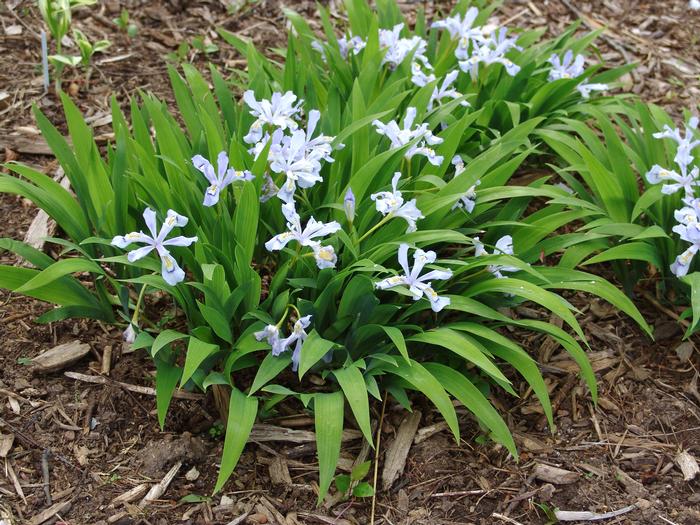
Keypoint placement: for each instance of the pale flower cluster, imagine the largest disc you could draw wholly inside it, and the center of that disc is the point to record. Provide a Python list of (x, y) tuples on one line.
[(686, 179)]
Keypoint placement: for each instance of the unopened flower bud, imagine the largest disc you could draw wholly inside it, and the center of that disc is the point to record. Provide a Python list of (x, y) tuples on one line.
[(129, 334), (349, 205)]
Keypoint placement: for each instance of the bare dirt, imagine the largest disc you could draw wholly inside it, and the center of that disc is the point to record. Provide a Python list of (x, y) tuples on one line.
[(80, 445)]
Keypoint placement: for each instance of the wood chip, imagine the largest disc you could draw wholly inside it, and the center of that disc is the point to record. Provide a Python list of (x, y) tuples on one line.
[(688, 465), (279, 472), (265, 433), (49, 513), (277, 517), (240, 519), (130, 495), (6, 441), (159, 489), (59, 357), (106, 360), (397, 452), (425, 432), (10, 473), (555, 475), (633, 487)]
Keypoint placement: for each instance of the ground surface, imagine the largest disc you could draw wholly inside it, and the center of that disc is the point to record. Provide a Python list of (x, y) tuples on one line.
[(97, 442)]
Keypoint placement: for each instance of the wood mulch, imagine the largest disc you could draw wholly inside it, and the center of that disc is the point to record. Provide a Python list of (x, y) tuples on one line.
[(76, 452)]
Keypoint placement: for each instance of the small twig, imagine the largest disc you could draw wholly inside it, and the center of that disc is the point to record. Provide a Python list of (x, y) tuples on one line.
[(458, 493), (16, 317), (45, 474), (505, 518), (376, 459), (663, 309), (101, 380)]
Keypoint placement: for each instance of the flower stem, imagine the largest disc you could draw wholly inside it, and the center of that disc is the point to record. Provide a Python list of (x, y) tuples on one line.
[(374, 228), (135, 317)]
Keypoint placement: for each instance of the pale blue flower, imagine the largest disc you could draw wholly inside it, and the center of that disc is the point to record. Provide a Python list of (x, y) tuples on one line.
[(446, 91), (172, 273), (392, 203), (492, 51), (271, 333), (353, 44), (461, 27), (674, 181), (686, 143), (689, 233), (397, 48), (400, 136), (418, 285), (419, 77), (278, 112), (289, 157), (324, 256), (504, 246), (297, 338), (305, 236), (280, 345), (569, 67), (468, 199), (221, 178)]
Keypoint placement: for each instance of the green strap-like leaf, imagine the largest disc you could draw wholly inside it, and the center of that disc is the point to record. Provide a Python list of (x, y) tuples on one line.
[(315, 347), (57, 270), (167, 376), (197, 352), (328, 416), (242, 411), (464, 347), (165, 338), (532, 292), (470, 396), (397, 338), (423, 381), (270, 367), (352, 382)]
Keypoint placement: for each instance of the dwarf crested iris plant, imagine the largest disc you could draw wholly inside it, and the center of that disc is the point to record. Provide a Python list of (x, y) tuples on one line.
[(640, 187), (287, 179)]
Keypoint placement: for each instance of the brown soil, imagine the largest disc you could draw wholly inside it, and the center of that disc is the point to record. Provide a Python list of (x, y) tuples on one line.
[(100, 441)]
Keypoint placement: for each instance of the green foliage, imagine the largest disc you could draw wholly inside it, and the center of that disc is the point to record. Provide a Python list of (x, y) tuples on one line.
[(630, 220), (364, 339), (57, 15)]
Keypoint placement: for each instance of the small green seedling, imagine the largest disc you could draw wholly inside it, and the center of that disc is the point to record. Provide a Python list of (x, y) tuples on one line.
[(57, 15), (352, 485), (204, 46), (122, 22), (88, 49)]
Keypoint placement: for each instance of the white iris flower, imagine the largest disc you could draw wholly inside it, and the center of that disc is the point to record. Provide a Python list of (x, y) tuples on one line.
[(418, 285)]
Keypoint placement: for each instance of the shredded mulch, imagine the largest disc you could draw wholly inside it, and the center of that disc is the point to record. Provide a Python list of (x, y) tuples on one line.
[(76, 452)]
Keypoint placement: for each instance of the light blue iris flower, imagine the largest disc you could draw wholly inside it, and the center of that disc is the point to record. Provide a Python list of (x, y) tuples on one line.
[(157, 241), (219, 179)]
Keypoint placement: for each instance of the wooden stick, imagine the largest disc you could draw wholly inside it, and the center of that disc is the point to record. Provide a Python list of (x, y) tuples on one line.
[(376, 458), (147, 391), (663, 309)]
